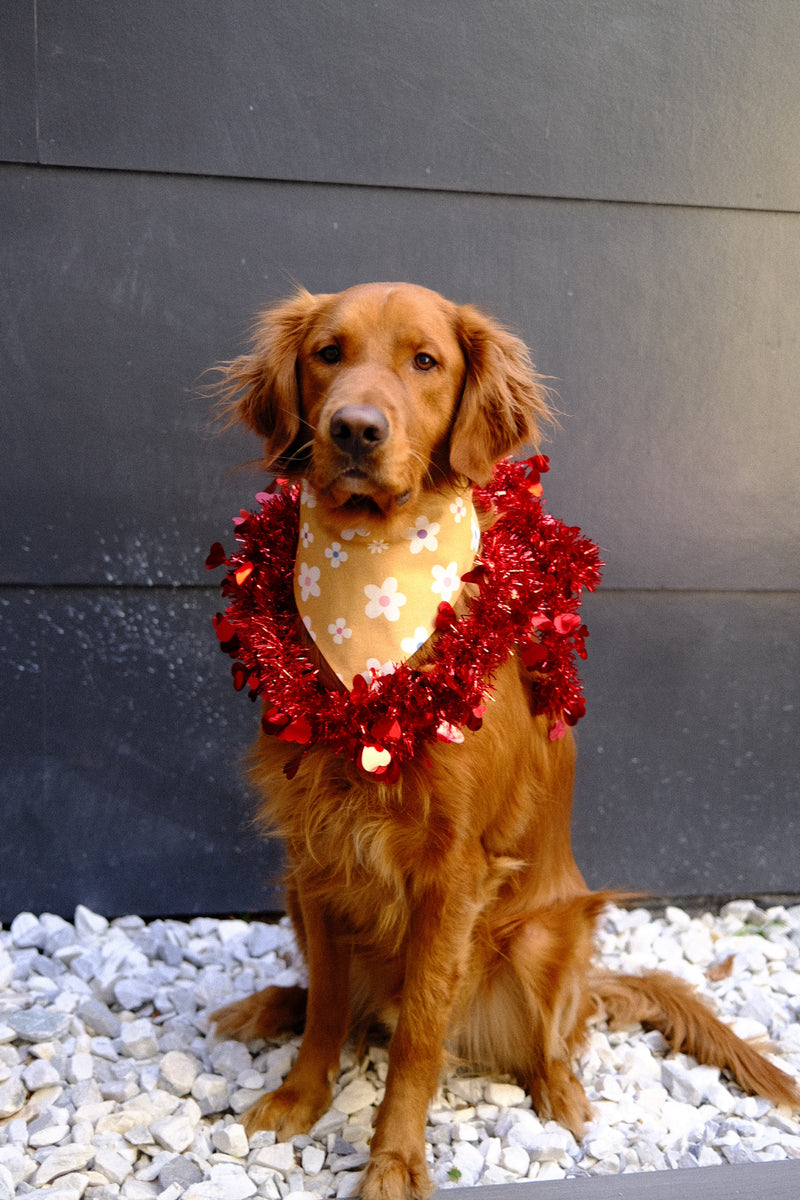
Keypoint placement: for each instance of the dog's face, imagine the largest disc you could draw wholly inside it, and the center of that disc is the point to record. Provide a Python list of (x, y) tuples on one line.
[(383, 391)]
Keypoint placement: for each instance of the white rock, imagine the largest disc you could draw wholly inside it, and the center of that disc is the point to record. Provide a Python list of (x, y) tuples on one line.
[(138, 1039), (330, 1122), (62, 1161), (26, 931), (7, 1185), (504, 1095), (212, 1093), (138, 1189), (677, 917), (12, 1096), (516, 1160), (313, 1160), (114, 1166), (49, 1135), (16, 1133), (232, 1139), (13, 1160), (682, 1120), (697, 945), (604, 1142), (172, 1192), (250, 1079), (492, 1149), (133, 993), (787, 982), (178, 1071), (40, 1073), (465, 1131), (680, 1082), (279, 1157), (173, 1133), (358, 1094), (552, 1145), (89, 924), (69, 1187), (204, 1191), (230, 1059), (550, 1171), (232, 931), (469, 1161), (466, 1088), (348, 1185), (6, 972), (263, 938), (81, 1066), (233, 1182), (495, 1176)]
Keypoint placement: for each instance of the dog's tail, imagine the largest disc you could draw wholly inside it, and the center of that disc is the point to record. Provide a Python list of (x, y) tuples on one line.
[(669, 1004)]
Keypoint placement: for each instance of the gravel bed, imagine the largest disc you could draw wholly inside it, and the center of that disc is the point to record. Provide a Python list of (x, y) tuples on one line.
[(112, 1084)]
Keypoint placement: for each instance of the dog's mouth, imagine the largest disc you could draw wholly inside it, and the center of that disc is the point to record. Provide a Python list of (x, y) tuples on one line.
[(356, 492), (362, 506)]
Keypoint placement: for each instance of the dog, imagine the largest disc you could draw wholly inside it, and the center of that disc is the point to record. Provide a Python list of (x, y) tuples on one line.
[(445, 905)]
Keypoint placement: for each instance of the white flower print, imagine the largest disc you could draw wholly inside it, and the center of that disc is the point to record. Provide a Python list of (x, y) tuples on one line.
[(446, 580), (378, 546), (411, 645), (384, 601), (307, 497), (336, 554), (306, 536), (423, 534), (349, 534), (309, 630), (307, 581), (459, 509), (339, 630), (376, 668)]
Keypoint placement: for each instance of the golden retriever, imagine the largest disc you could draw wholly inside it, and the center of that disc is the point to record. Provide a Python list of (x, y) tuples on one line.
[(446, 905)]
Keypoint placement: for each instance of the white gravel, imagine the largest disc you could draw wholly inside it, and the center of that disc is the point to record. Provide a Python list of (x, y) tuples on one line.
[(112, 1085)]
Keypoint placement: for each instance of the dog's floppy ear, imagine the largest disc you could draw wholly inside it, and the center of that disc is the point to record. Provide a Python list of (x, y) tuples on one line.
[(261, 389), (504, 401)]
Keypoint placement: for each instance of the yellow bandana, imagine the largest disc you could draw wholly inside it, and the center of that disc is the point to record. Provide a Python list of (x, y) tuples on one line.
[(369, 604)]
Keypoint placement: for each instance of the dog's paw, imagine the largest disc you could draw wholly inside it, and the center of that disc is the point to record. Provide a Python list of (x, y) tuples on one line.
[(393, 1176), (561, 1098), (274, 1010), (288, 1111)]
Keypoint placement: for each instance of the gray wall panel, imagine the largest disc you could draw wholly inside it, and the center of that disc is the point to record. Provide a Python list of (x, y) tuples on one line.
[(119, 759), (681, 103), (671, 334), (689, 773), (18, 131)]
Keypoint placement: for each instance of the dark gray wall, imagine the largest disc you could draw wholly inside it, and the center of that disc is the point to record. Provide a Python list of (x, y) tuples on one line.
[(619, 182)]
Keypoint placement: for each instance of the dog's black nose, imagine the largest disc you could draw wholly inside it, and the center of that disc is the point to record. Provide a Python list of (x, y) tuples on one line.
[(358, 429)]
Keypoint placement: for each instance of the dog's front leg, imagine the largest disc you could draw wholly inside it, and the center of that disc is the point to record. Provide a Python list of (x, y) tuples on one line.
[(305, 1094), (438, 945)]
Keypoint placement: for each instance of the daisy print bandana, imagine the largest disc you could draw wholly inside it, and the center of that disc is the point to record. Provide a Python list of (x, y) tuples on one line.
[(370, 604)]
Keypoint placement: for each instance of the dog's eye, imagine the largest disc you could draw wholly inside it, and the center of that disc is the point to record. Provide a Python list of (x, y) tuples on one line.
[(330, 354), (424, 362)]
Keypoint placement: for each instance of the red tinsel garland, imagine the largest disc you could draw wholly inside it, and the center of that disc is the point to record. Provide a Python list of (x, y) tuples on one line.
[(530, 571)]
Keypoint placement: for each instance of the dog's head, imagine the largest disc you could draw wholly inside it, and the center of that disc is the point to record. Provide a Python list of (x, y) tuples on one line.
[(382, 391)]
